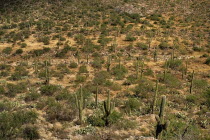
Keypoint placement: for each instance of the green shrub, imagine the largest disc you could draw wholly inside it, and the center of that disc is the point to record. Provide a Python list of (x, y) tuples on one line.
[(132, 104), (114, 117), (206, 95), (97, 63), (30, 132), (163, 45), (73, 65), (141, 46), (173, 64), (83, 69), (129, 38), (200, 85), (119, 72), (191, 99), (20, 71), (2, 90), (49, 90), (80, 78), (207, 61), (7, 50), (11, 123), (96, 121), (101, 77), (170, 80), (32, 96), (143, 89), (23, 45), (13, 89), (18, 51), (126, 124)]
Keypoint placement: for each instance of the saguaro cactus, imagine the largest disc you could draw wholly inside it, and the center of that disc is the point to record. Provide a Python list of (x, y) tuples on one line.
[(155, 97), (108, 109), (108, 64), (96, 97), (155, 55), (191, 82), (161, 123), (80, 103), (47, 75), (142, 70)]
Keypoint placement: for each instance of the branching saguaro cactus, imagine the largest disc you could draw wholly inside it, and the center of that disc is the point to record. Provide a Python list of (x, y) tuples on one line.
[(191, 82), (80, 103), (161, 123), (155, 97), (47, 74), (108, 109)]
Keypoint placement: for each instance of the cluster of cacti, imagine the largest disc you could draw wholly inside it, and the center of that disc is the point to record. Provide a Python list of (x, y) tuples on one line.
[(80, 103), (155, 97), (108, 109), (47, 74), (191, 81), (161, 123)]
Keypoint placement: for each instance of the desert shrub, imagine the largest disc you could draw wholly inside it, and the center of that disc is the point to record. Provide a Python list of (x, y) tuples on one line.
[(200, 85), (80, 39), (49, 90), (57, 111), (141, 46), (149, 72), (114, 117), (20, 72), (7, 50), (206, 95), (119, 72), (126, 124), (96, 121), (13, 89), (32, 96), (97, 63), (207, 61), (170, 80), (101, 77), (73, 65), (173, 64), (45, 40), (80, 78), (132, 104), (65, 95), (2, 90), (11, 122), (23, 45), (5, 67), (197, 48), (163, 45), (18, 51), (143, 89), (130, 38), (86, 130), (191, 99), (83, 69), (63, 52), (30, 132)]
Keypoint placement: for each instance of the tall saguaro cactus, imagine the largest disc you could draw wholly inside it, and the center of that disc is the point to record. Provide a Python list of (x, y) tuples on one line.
[(155, 97), (80, 103), (161, 123), (142, 70), (108, 64), (96, 97), (108, 109), (47, 74), (191, 82)]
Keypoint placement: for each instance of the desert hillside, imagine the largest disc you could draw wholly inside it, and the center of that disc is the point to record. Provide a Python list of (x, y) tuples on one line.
[(104, 69)]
